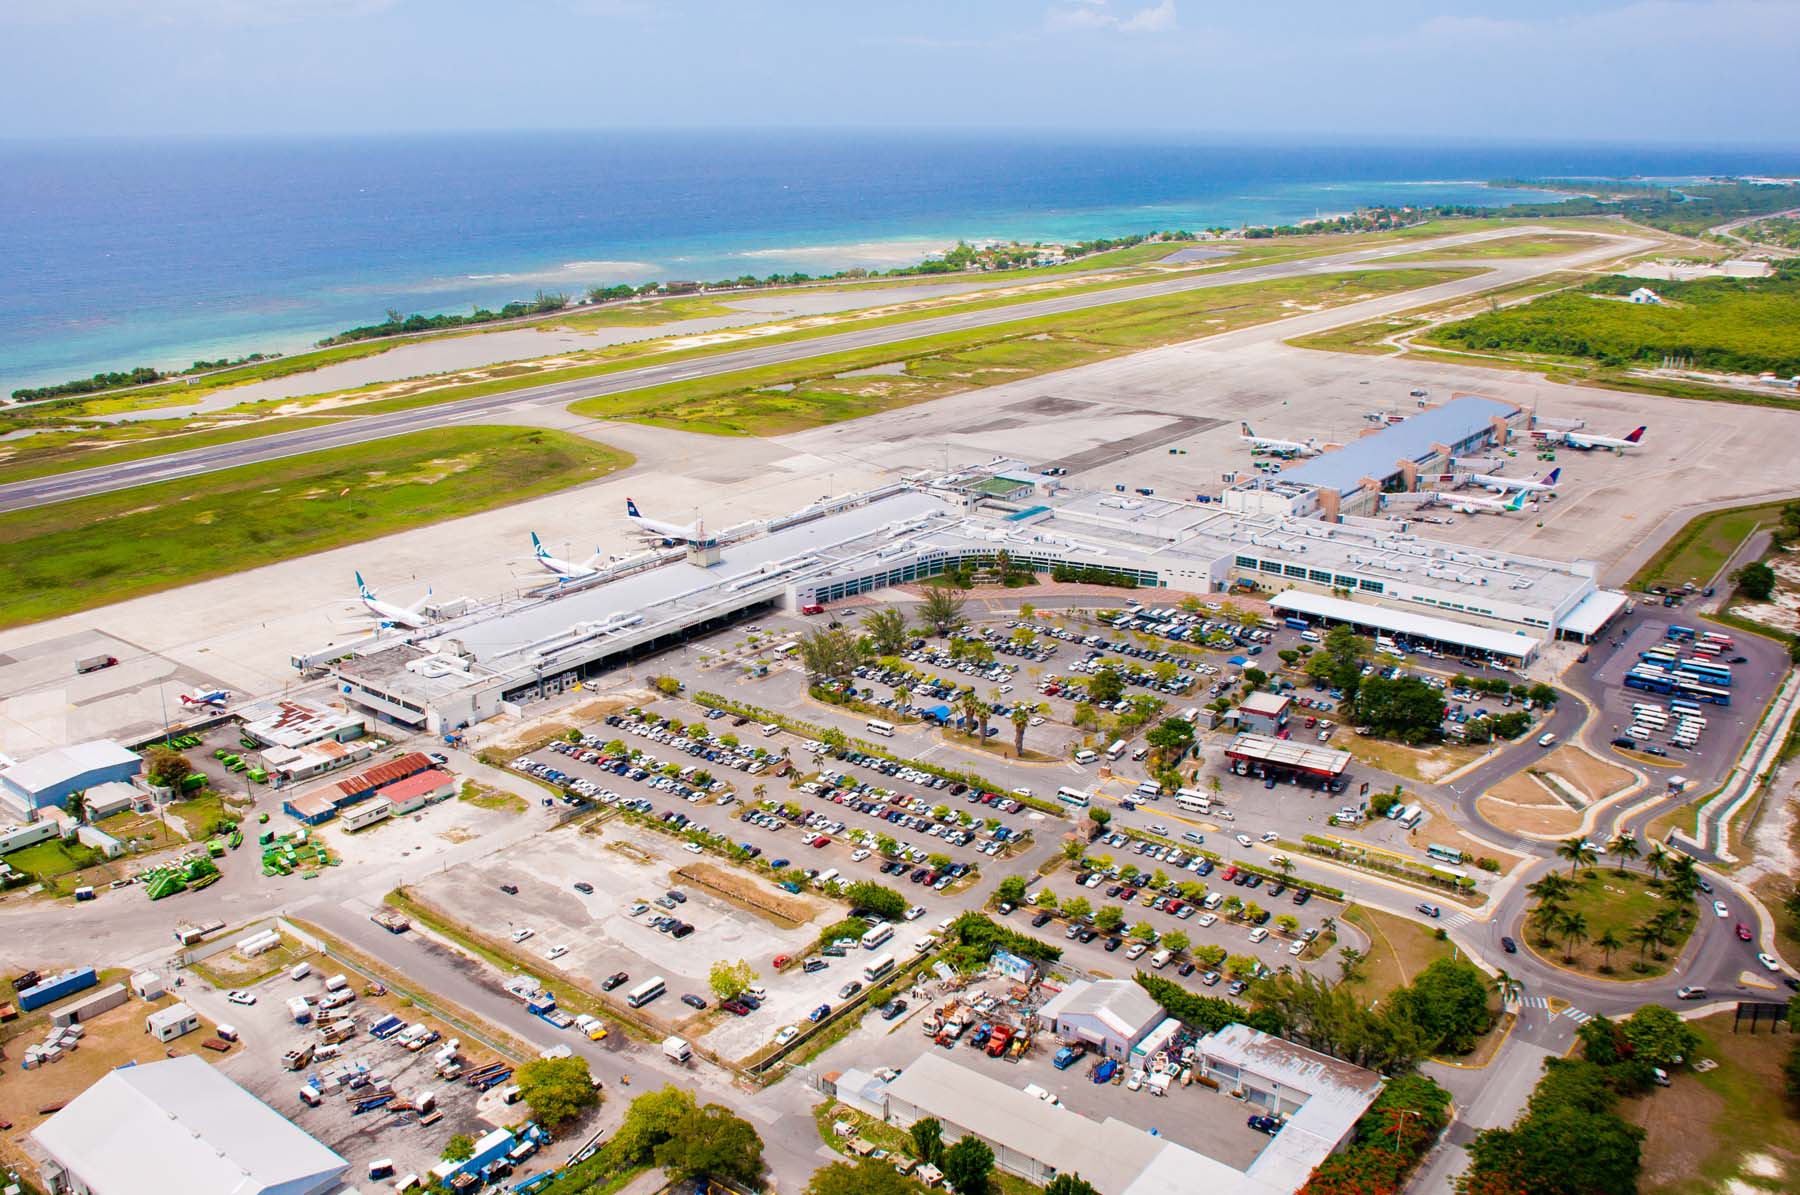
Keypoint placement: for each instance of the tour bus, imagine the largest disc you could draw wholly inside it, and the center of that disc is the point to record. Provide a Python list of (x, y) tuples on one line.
[(1116, 750), (1724, 641), (1448, 854), (646, 991), (1189, 801), (1298, 624), (1680, 633), (1710, 694), (1650, 717), (1072, 796), (879, 967), (877, 726), (877, 936), (1684, 707)]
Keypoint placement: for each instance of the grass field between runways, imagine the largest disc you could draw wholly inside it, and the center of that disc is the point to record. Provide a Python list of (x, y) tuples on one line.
[(89, 552)]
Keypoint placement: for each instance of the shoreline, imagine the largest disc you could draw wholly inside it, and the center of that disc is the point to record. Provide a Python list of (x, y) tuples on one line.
[(855, 249)]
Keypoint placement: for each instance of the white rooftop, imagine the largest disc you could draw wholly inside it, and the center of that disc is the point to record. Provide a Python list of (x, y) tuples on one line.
[(179, 1127), (1120, 1004), (1405, 622), (52, 768), (1592, 612)]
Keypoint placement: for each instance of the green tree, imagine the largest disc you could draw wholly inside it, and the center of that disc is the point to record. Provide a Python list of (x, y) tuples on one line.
[(1624, 848), (1755, 581), (1608, 941), (730, 980), (1106, 685), (968, 1165), (164, 767), (1069, 1184), (1021, 718), (1143, 932), (829, 653), (867, 896), (1572, 927), (1101, 817), (1658, 1036), (1405, 708), (1350, 961), (1577, 852), (1171, 738), (1448, 1002), (1108, 918), (1076, 908), (928, 1140), (1011, 890), (886, 629), (864, 1177), (557, 1090), (1175, 940), (460, 1148), (712, 1142), (942, 609)]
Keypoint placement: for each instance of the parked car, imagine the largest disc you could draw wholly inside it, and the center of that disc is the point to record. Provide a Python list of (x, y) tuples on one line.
[(614, 980), (1264, 1124)]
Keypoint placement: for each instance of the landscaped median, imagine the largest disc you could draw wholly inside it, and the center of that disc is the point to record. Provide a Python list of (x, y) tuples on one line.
[(1457, 886)]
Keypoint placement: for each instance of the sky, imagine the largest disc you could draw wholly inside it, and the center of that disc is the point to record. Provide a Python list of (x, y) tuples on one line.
[(1664, 71)]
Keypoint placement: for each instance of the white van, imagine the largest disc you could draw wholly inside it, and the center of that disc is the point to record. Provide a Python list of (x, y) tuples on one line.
[(1544, 740), (1161, 958), (300, 971), (1258, 934), (1085, 756), (770, 730), (1214, 900)]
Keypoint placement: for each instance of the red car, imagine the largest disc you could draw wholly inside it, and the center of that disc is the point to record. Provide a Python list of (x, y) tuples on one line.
[(1230, 875), (782, 960), (1743, 932)]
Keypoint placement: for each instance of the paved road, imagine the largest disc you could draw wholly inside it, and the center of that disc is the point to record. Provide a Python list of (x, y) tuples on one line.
[(22, 495)]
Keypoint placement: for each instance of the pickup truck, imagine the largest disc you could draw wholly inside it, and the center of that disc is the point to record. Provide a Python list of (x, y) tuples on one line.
[(1067, 1057)]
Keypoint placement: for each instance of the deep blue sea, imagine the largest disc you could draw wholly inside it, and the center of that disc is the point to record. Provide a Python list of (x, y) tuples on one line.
[(156, 253)]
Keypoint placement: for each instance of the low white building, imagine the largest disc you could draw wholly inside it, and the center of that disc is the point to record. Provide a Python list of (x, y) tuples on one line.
[(179, 1127), (1109, 1016), (1644, 294)]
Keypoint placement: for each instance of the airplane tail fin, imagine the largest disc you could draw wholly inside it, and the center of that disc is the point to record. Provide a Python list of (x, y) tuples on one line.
[(1636, 435), (1518, 502), (1550, 478), (631, 510), (362, 586), (1245, 429), (537, 545)]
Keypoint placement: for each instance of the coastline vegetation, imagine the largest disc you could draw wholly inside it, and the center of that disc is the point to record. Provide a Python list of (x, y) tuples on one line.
[(88, 552), (141, 375)]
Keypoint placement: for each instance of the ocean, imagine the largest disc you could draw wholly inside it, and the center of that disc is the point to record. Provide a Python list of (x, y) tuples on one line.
[(120, 254)]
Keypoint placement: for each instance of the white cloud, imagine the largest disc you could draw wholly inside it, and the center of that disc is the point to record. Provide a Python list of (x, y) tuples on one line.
[(1159, 19), (1077, 16)]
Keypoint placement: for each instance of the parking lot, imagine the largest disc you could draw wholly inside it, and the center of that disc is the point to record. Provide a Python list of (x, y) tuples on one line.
[(361, 1066), (1194, 1116)]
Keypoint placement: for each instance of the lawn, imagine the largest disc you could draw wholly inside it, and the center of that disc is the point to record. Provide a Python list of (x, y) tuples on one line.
[(1401, 948), (1368, 337), (484, 797), (1726, 1130), (76, 555), (775, 399), (199, 814), (86, 447), (1701, 548), (1727, 324), (1523, 244), (1618, 903), (645, 315), (42, 860)]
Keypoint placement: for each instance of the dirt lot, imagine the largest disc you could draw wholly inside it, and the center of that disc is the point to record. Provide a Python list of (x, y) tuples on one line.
[(627, 864), (1439, 829), (113, 1039), (1548, 820), (1587, 774)]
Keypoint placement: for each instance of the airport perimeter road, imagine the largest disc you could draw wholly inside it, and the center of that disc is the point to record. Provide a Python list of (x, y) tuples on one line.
[(173, 466)]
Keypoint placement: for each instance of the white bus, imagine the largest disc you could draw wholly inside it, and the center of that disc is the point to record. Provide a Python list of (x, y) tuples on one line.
[(877, 936), (877, 726), (1116, 750), (1187, 800), (878, 968), (646, 991), (1072, 796)]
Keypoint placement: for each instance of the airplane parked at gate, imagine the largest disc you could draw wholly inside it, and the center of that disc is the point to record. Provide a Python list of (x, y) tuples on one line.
[(1278, 447), (388, 613), (668, 533), (1469, 506), (1502, 485), (567, 569), (1587, 441)]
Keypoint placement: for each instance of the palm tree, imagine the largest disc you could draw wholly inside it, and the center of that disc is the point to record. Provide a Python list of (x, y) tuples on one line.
[(1576, 851), (1574, 930), (1021, 718), (1684, 882), (1548, 916), (1506, 987), (1667, 922), (1608, 941), (1646, 935), (1624, 848), (1349, 963), (1657, 861), (1549, 888)]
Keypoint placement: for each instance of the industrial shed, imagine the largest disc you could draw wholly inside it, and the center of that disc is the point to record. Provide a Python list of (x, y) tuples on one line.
[(180, 1127)]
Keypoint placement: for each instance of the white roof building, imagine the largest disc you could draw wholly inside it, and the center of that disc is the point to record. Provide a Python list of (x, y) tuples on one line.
[(1111, 1015), (179, 1127)]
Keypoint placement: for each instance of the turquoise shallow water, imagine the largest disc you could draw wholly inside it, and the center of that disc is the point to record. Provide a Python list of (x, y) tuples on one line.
[(114, 255)]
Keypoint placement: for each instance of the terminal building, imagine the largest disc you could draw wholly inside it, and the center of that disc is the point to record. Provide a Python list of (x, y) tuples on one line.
[(491, 659)]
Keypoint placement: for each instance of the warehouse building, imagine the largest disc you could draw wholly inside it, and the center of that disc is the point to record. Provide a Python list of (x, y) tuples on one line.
[(498, 658), (49, 779), (179, 1127), (1109, 1016), (328, 800)]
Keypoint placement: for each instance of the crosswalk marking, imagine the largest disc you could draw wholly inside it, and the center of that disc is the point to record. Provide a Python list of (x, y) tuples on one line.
[(1534, 1002), (1457, 920), (1576, 1015)]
